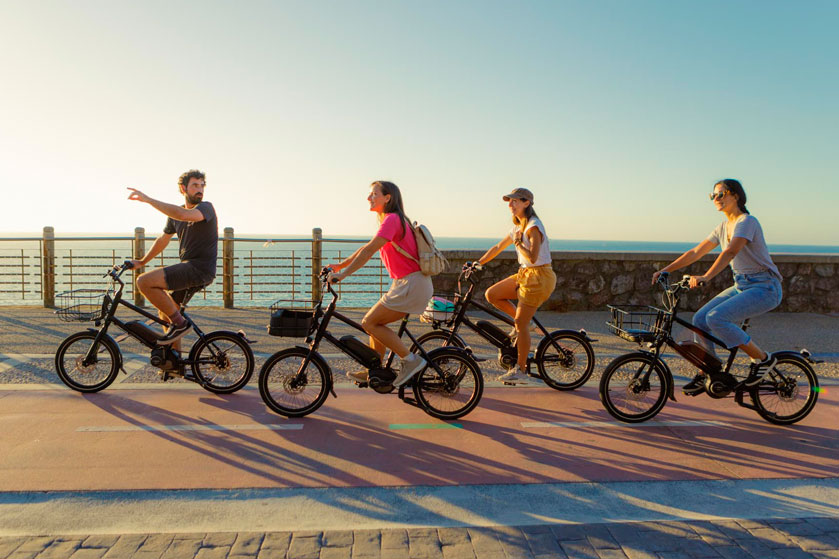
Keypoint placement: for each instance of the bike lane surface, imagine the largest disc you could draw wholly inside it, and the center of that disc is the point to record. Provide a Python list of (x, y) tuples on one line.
[(187, 460)]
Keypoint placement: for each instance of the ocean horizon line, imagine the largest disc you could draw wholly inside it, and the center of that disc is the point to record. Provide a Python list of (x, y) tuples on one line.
[(478, 243)]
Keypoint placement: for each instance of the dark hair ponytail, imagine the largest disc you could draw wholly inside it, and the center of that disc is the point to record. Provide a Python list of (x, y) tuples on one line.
[(734, 187), (394, 205)]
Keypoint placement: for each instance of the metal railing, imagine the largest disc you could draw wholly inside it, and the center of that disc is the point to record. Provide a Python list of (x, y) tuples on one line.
[(250, 271)]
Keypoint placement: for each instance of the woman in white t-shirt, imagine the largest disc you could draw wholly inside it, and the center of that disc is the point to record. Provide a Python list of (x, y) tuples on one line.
[(531, 285), (757, 281)]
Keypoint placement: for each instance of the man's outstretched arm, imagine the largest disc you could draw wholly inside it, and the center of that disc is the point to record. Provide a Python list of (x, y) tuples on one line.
[(169, 210)]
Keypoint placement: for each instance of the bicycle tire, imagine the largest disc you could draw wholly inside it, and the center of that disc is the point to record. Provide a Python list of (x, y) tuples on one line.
[(222, 362), (628, 368), (75, 375), (437, 338), (775, 394), (450, 397), (281, 390), (567, 375)]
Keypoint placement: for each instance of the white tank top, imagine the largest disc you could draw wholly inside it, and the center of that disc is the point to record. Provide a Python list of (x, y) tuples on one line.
[(544, 249)]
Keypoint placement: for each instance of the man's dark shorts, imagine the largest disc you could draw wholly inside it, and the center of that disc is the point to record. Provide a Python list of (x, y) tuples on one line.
[(184, 280)]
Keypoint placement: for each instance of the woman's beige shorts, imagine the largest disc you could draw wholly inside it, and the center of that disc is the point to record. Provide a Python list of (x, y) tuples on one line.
[(535, 285), (409, 294)]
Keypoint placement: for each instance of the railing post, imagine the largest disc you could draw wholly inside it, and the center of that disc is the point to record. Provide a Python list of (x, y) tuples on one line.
[(227, 268), (139, 253), (48, 267), (317, 241)]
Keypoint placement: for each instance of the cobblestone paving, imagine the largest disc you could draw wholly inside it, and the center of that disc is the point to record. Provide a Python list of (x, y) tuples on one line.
[(756, 539)]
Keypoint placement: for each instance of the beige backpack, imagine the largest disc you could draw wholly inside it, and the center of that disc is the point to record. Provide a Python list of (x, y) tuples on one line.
[(431, 261)]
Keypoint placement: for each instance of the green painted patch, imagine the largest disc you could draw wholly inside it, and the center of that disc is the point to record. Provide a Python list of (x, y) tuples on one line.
[(396, 426)]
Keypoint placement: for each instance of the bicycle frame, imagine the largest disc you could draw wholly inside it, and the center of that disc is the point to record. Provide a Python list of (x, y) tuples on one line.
[(113, 303), (468, 300), (321, 320), (664, 337)]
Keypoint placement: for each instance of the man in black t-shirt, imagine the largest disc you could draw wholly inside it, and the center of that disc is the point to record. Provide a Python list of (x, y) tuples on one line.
[(196, 225)]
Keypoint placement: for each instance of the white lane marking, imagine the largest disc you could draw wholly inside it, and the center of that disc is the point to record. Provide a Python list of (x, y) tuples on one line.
[(599, 424), (211, 427)]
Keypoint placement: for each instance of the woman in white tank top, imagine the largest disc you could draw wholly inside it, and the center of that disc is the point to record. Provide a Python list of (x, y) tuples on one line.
[(534, 282)]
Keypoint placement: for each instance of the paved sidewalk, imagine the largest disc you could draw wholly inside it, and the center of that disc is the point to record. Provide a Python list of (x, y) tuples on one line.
[(757, 539), (740, 516)]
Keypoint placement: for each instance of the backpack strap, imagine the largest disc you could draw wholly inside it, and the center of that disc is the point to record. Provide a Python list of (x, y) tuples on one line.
[(401, 250)]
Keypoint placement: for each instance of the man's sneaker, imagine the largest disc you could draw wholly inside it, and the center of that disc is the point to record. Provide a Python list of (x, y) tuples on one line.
[(514, 375), (696, 386), (175, 333), (411, 365), (759, 368), (358, 376)]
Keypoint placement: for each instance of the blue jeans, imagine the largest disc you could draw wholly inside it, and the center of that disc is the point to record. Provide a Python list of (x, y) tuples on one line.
[(751, 295)]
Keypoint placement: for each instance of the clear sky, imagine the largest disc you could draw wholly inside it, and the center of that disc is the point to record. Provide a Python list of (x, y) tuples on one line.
[(618, 115)]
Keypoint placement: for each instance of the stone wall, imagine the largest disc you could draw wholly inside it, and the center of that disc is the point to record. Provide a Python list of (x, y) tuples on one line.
[(589, 280)]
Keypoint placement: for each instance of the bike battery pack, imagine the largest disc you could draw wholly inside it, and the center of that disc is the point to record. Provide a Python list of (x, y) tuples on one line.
[(142, 331), (493, 332), (698, 355), (363, 352)]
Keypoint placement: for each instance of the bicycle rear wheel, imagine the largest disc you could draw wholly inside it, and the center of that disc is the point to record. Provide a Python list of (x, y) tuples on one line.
[(289, 391), (788, 392), (570, 366), (455, 390), (81, 376), (437, 338), (223, 362), (634, 387)]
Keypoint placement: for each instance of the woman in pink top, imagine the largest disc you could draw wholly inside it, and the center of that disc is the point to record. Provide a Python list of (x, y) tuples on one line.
[(410, 291)]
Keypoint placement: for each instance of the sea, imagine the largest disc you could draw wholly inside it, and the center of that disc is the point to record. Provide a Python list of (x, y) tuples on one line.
[(266, 267)]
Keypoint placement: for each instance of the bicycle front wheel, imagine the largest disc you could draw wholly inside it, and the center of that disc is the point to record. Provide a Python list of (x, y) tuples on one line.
[(788, 392), (452, 392), (223, 362), (634, 387), (83, 376), (290, 390), (565, 360)]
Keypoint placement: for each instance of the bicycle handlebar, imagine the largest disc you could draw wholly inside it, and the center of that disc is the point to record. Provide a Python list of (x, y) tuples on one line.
[(470, 268), (119, 269)]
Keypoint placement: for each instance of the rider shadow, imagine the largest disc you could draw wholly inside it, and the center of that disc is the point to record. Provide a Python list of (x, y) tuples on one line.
[(742, 443), (243, 452)]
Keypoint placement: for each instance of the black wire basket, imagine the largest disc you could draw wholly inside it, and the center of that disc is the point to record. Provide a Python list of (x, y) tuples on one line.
[(636, 323), (81, 305), (291, 318)]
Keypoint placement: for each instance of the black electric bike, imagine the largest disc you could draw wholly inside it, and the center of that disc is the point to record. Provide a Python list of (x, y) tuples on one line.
[(635, 387), (564, 359), (221, 362), (294, 382)]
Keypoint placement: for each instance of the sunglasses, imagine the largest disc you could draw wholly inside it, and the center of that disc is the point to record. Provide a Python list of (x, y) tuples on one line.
[(714, 196)]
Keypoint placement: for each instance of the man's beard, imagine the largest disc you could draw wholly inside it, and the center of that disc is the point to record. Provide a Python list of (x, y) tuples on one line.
[(194, 200)]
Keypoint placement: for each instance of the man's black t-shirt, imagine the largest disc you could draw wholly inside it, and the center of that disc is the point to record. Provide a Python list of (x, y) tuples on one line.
[(198, 239)]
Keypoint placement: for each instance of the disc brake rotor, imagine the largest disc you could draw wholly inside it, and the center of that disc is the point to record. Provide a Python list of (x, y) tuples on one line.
[(82, 368)]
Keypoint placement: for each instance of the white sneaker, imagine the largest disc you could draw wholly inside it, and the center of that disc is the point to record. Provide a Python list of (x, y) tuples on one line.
[(514, 375), (411, 365)]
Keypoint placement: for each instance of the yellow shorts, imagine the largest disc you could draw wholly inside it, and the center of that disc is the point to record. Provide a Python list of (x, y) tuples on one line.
[(535, 285)]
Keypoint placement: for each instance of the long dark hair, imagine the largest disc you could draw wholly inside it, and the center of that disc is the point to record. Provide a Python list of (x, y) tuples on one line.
[(528, 213), (394, 205), (734, 187)]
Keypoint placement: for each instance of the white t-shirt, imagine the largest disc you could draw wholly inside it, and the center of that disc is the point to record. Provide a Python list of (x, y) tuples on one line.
[(544, 249)]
